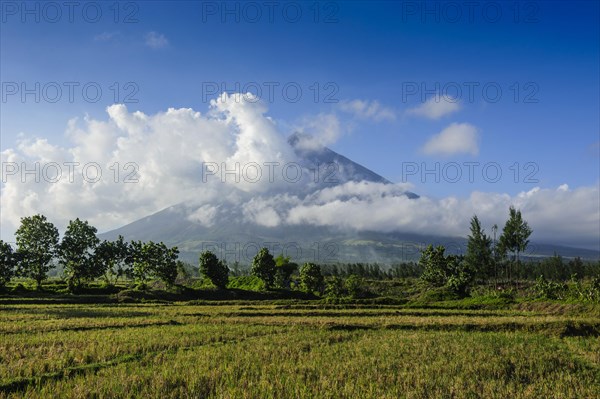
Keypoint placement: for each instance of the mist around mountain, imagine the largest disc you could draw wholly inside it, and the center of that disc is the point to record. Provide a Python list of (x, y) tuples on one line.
[(233, 235), (237, 226)]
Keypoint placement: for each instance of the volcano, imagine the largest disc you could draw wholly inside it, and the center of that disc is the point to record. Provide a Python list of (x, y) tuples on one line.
[(234, 229)]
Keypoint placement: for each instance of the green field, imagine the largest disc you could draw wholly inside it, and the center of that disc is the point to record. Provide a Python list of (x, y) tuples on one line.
[(298, 349)]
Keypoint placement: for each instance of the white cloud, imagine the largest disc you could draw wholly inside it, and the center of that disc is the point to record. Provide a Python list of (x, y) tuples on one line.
[(372, 110), (106, 36), (458, 138), (204, 215), (156, 40), (319, 130), (325, 129), (436, 107), (560, 216), (261, 212), (165, 152)]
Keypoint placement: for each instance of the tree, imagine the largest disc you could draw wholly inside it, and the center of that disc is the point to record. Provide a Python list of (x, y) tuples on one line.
[(576, 266), (311, 278), (164, 262), (354, 285), (460, 276), (434, 265), (440, 270), (214, 269), (495, 253), (185, 271), (284, 271), (334, 287), (139, 258), (478, 259), (76, 253), (263, 267), (153, 260), (37, 242), (8, 263), (515, 236), (113, 259)]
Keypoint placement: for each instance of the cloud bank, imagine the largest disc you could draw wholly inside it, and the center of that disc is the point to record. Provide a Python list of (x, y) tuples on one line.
[(132, 164)]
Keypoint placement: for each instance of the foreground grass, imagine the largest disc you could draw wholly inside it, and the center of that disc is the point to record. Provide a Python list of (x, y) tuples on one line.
[(296, 351)]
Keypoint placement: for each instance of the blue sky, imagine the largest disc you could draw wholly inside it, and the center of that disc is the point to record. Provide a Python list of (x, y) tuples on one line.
[(545, 53)]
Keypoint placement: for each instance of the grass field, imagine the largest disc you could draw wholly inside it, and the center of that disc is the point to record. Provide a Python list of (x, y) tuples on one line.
[(297, 350)]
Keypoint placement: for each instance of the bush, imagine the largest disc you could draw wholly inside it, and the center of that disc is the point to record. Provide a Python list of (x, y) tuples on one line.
[(439, 294), (508, 294), (248, 283), (19, 288), (459, 283), (583, 291), (549, 289), (450, 271), (140, 287)]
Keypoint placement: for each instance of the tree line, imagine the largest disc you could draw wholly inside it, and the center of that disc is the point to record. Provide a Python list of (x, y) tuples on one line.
[(83, 255), (554, 268), (274, 272), (84, 258), (485, 258)]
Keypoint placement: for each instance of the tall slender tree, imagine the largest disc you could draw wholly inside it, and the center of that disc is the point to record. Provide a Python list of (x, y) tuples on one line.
[(514, 238), (478, 258), (495, 253)]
